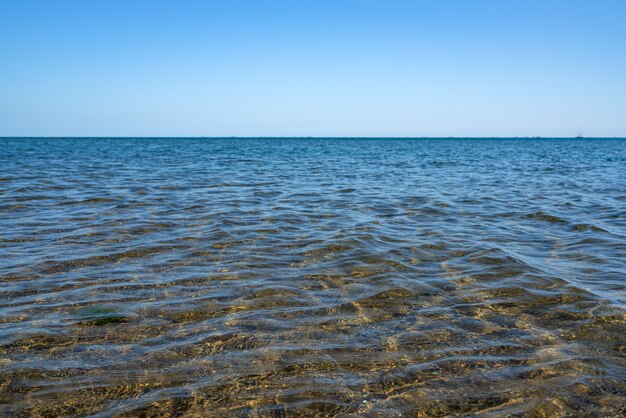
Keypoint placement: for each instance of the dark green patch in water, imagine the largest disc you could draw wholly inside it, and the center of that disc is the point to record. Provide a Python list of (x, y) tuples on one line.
[(100, 315)]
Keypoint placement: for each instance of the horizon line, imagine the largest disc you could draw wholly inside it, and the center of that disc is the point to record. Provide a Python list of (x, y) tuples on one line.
[(307, 137)]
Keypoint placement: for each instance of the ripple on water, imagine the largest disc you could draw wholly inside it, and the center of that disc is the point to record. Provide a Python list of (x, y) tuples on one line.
[(150, 277)]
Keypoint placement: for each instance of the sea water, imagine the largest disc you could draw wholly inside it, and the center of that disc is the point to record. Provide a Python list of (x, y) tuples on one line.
[(312, 276)]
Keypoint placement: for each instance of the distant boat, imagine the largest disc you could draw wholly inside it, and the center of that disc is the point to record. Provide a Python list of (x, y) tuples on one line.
[(579, 136)]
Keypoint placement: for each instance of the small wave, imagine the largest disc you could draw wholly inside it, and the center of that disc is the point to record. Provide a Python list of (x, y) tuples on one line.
[(546, 217), (138, 253)]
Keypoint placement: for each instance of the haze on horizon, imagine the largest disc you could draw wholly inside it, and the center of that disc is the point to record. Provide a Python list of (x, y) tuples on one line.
[(313, 68)]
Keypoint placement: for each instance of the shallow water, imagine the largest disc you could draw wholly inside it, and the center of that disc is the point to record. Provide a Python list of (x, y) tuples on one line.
[(312, 276)]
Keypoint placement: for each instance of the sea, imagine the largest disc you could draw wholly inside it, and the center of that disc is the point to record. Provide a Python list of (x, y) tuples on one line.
[(312, 277)]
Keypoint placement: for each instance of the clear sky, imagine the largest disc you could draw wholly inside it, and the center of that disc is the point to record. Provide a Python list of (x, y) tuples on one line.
[(313, 68)]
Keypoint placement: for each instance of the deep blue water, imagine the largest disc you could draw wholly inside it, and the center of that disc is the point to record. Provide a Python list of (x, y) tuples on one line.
[(300, 276)]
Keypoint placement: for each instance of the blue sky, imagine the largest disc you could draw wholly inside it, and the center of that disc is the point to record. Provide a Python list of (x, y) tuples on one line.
[(313, 68)]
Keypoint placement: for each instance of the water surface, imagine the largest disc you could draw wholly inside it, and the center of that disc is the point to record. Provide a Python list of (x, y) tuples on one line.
[(285, 277)]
